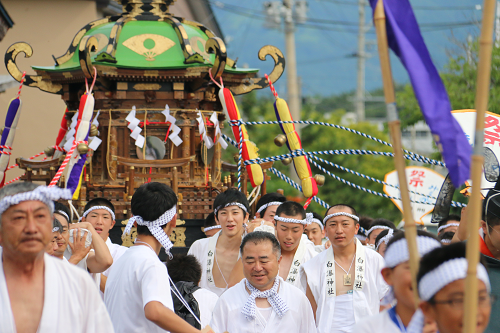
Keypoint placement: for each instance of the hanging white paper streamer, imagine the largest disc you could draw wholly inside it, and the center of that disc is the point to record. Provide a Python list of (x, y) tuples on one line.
[(94, 141), (218, 133), (134, 127), (201, 128), (175, 130)]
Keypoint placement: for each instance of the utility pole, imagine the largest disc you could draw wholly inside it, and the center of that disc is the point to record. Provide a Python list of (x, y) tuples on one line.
[(360, 88)]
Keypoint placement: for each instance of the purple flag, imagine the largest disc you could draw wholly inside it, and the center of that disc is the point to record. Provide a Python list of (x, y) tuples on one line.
[(405, 40)]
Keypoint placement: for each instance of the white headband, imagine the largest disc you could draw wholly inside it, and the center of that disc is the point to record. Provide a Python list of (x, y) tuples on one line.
[(306, 221), (437, 279), (154, 227), (242, 206), (397, 253), (446, 241), (45, 194), (272, 203), (318, 222), (60, 212), (87, 212), (377, 227), (385, 239), (447, 225), (217, 226), (55, 229), (360, 237), (354, 217)]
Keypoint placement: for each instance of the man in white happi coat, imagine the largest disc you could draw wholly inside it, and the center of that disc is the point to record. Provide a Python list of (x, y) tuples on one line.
[(218, 254), (262, 302), (343, 283), (40, 293), (137, 290), (100, 213)]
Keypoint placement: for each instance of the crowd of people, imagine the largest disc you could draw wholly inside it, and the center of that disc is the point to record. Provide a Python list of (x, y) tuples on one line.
[(282, 270)]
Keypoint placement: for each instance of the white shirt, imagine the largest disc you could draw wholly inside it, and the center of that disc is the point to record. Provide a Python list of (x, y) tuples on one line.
[(206, 303), (305, 251), (227, 315), (365, 302), (71, 302), (200, 249), (116, 252), (138, 278), (378, 323)]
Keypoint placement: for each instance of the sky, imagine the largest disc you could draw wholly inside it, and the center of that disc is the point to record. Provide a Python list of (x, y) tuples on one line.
[(329, 36)]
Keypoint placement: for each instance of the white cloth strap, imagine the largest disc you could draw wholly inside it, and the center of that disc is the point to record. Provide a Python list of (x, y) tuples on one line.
[(447, 226), (55, 229), (60, 212), (386, 238), (88, 211), (397, 253), (155, 227), (272, 203), (306, 221), (45, 194), (242, 206), (384, 227), (445, 241), (318, 222), (277, 303), (352, 216), (212, 228)]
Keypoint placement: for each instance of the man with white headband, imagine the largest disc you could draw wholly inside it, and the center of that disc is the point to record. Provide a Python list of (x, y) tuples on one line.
[(218, 254), (377, 226), (210, 227), (138, 291), (262, 302), (267, 205), (343, 283), (448, 224), (441, 287), (316, 231), (38, 292), (397, 275), (100, 213)]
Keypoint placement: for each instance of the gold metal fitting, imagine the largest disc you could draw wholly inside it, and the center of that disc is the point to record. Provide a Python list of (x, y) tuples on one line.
[(49, 151), (280, 140), (320, 179), (286, 161), (93, 130), (82, 148)]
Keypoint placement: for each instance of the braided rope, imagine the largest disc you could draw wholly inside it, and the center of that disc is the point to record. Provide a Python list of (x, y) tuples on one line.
[(32, 157), (14, 180), (240, 156), (308, 122), (296, 186), (271, 86)]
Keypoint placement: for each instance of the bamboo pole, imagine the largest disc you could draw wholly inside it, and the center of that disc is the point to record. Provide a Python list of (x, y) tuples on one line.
[(474, 213), (395, 132)]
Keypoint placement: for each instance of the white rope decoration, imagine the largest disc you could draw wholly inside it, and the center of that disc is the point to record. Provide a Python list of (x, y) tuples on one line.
[(91, 209), (352, 216), (242, 206), (217, 226), (454, 224), (437, 279), (272, 203), (45, 194), (306, 221), (377, 227), (397, 253), (318, 222), (385, 239), (60, 212), (446, 241), (155, 228), (277, 303)]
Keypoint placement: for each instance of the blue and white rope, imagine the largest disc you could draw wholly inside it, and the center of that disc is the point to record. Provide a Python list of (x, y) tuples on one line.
[(308, 122), (240, 156)]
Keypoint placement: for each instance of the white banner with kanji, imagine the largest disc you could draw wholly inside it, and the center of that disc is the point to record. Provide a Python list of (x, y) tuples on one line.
[(467, 120), (424, 181)]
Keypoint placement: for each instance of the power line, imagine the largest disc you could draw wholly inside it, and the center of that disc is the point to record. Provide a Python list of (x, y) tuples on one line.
[(352, 3)]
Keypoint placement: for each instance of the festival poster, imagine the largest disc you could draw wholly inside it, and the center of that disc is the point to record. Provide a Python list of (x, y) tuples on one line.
[(467, 120), (425, 182)]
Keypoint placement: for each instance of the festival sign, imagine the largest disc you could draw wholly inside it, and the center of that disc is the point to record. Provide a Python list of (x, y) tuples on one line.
[(467, 120), (424, 181)]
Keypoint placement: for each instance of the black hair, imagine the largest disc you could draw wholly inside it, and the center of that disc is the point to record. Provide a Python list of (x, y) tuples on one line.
[(229, 196), (382, 222), (317, 216), (59, 207), (490, 218), (150, 201), (440, 255), (291, 208), (399, 234), (451, 217), (184, 267), (353, 211), (209, 220), (99, 202), (364, 225), (446, 235), (57, 224), (258, 237), (267, 198)]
